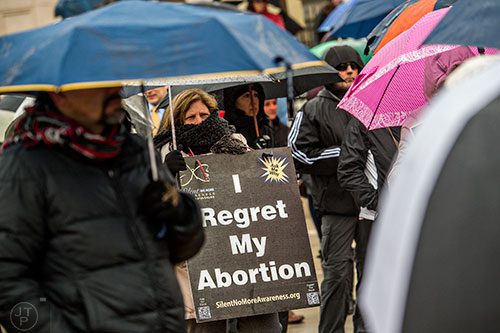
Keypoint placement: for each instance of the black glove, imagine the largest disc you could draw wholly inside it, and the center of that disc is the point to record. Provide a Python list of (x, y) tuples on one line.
[(175, 162), (160, 204), (263, 142)]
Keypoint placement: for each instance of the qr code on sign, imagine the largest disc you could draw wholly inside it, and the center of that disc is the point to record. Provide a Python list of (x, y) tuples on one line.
[(204, 313), (312, 298)]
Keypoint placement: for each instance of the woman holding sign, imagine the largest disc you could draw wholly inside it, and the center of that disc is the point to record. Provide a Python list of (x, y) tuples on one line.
[(200, 130)]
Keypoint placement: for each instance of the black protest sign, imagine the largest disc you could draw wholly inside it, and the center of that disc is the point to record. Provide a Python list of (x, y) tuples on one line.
[(257, 256)]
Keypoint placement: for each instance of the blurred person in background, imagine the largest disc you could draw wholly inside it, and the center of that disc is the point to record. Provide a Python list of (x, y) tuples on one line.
[(322, 15), (157, 102), (280, 130), (436, 71), (264, 8), (244, 109)]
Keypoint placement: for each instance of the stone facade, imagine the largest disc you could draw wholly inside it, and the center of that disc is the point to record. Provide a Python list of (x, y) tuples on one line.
[(20, 15)]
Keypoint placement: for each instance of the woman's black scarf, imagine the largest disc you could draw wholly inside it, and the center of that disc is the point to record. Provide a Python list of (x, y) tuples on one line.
[(198, 139)]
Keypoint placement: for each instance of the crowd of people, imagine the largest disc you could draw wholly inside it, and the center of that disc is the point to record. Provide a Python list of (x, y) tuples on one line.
[(104, 244)]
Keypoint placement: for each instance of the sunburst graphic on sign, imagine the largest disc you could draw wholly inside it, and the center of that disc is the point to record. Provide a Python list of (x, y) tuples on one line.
[(274, 169)]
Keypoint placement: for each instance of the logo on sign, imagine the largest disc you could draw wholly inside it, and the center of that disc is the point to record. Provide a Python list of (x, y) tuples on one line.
[(274, 169), (199, 172)]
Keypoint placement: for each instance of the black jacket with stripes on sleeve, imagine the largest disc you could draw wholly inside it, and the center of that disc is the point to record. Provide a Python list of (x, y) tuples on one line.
[(315, 139)]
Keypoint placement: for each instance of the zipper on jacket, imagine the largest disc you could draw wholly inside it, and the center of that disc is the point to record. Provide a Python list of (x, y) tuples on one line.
[(125, 208), (115, 183)]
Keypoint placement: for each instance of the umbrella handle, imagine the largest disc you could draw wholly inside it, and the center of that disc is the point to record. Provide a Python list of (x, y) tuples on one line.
[(254, 113), (174, 137), (289, 86), (149, 138)]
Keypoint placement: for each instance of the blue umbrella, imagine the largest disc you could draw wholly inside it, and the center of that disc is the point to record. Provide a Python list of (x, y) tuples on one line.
[(362, 16), (336, 16), (132, 41), (471, 23)]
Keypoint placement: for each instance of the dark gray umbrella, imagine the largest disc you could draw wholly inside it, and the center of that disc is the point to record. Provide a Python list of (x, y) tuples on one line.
[(433, 261), (472, 23), (304, 79)]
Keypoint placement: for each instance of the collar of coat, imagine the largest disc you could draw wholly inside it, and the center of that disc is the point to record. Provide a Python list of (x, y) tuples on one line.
[(328, 94)]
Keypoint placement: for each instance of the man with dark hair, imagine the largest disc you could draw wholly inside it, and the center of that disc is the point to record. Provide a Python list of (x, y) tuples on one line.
[(315, 139), (87, 239)]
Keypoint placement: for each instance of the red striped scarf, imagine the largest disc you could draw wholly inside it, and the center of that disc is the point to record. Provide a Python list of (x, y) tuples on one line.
[(52, 128)]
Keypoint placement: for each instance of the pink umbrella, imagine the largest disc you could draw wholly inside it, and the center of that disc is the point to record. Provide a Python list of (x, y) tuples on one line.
[(391, 85)]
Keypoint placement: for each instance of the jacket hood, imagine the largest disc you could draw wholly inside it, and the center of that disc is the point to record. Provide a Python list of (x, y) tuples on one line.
[(232, 94), (342, 54)]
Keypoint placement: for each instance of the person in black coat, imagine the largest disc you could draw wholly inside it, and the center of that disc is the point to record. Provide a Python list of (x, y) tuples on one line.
[(244, 109), (280, 130), (364, 163), (315, 139), (87, 239)]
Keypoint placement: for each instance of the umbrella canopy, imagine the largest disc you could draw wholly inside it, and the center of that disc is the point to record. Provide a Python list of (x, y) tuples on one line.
[(358, 44), (275, 85), (359, 18), (473, 23), (433, 258), (336, 15), (391, 86), (120, 43), (401, 19)]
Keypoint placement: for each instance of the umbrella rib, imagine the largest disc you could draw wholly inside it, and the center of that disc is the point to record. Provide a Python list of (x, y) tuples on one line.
[(381, 98)]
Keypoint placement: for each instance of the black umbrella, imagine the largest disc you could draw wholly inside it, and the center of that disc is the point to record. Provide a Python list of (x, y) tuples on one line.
[(472, 23), (275, 85), (433, 261), (304, 79)]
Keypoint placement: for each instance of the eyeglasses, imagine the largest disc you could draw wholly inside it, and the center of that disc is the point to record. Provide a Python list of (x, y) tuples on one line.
[(343, 66)]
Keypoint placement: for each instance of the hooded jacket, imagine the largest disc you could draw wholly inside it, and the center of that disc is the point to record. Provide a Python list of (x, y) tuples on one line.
[(316, 138), (343, 54), (244, 124), (73, 244)]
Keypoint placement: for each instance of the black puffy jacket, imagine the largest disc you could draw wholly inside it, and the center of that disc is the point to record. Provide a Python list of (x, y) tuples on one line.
[(73, 245), (315, 139)]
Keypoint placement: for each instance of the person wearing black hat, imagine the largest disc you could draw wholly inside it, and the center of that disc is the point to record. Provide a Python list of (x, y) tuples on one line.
[(315, 139), (244, 109)]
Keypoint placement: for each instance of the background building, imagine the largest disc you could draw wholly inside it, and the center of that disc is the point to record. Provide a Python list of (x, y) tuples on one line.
[(19, 15)]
